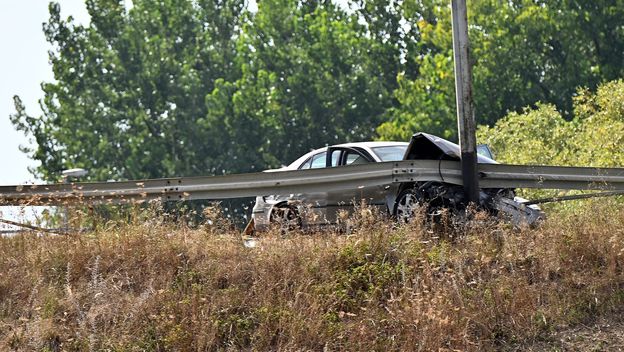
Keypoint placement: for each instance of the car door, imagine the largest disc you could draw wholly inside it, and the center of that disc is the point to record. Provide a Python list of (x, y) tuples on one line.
[(346, 199), (313, 206)]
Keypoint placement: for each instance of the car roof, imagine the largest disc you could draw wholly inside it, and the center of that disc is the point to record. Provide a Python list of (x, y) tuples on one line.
[(371, 144), (365, 145)]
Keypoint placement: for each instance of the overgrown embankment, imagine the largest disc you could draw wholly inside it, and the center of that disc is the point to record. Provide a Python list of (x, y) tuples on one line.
[(157, 286)]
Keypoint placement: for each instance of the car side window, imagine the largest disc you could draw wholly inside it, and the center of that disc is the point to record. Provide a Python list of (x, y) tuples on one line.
[(318, 160), (335, 157), (306, 164), (354, 158)]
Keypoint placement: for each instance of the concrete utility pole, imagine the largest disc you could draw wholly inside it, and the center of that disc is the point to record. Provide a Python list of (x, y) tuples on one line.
[(465, 110)]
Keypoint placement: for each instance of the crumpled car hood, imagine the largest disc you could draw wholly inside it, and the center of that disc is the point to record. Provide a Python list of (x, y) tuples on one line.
[(425, 146)]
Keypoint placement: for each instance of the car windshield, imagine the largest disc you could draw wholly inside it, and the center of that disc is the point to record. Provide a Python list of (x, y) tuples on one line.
[(390, 153)]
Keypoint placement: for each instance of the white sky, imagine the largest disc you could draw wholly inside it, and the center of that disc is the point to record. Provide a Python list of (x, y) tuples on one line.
[(23, 66)]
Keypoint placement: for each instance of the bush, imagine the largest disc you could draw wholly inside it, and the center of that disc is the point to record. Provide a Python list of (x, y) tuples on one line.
[(594, 137), (541, 136)]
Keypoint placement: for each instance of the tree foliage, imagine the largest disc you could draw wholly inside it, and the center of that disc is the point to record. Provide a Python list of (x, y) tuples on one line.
[(542, 136), (129, 88), (206, 87), (594, 137), (426, 101), (523, 51), (309, 78)]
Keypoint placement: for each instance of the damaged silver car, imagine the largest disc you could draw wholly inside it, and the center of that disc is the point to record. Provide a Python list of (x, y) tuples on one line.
[(400, 200)]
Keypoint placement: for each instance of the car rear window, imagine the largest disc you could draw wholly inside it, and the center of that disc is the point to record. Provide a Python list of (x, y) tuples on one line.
[(390, 153)]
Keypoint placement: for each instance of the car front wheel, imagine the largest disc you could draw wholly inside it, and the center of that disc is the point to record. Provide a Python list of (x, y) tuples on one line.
[(409, 202), (286, 218)]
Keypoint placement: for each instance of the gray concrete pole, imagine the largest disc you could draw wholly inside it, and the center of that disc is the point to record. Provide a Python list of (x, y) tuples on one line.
[(465, 110)]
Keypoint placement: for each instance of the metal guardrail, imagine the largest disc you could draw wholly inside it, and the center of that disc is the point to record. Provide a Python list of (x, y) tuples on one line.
[(313, 181), (515, 176), (553, 177), (207, 187)]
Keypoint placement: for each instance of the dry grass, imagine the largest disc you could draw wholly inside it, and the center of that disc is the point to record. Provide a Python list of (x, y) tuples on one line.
[(152, 285)]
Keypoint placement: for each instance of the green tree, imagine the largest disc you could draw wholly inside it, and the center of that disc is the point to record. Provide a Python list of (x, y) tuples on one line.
[(309, 78), (523, 52), (594, 137), (541, 135), (426, 102), (130, 87), (205, 87)]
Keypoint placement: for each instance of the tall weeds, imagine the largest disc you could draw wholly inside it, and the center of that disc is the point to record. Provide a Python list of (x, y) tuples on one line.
[(154, 285)]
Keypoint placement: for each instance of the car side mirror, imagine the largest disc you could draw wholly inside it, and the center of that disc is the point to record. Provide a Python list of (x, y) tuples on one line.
[(484, 149)]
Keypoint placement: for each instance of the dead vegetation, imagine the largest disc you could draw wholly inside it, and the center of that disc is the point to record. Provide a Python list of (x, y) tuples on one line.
[(149, 284)]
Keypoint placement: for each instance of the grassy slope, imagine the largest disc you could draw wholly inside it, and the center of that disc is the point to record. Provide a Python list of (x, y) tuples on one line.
[(154, 286)]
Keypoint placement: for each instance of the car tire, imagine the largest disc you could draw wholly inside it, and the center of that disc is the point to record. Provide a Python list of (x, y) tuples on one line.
[(409, 202), (286, 218)]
